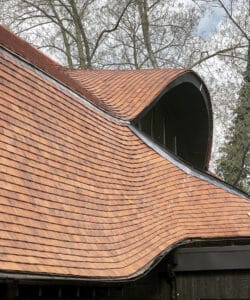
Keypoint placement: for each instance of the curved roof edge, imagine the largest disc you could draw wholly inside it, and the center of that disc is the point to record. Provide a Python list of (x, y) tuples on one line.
[(189, 76), (193, 78), (126, 93), (116, 280), (188, 169)]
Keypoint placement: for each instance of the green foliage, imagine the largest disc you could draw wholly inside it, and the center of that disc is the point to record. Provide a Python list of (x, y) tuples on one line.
[(234, 165)]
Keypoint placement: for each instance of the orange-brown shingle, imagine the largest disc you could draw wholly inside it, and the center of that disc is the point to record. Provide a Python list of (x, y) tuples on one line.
[(80, 194), (125, 94)]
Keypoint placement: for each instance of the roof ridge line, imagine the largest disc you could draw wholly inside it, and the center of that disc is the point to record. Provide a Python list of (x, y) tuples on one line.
[(80, 97), (32, 57)]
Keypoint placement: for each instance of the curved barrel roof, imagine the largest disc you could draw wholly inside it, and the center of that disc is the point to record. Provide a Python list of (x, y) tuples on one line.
[(81, 195), (125, 94)]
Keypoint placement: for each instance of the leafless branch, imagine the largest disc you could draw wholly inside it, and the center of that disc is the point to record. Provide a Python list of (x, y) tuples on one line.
[(233, 20), (233, 56), (32, 27), (153, 5), (219, 52), (110, 30)]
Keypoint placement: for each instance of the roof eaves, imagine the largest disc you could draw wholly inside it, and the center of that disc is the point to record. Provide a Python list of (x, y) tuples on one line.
[(132, 277), (144, 271), (188, 169)]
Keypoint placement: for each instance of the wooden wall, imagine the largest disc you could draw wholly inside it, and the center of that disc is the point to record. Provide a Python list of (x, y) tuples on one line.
[(216, 285)]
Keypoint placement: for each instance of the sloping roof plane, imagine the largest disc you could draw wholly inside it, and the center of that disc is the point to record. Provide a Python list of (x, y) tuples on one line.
[(82, 196)]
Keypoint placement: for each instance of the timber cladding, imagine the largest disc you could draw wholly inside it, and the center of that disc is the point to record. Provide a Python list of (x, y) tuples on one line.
[(217, 285)]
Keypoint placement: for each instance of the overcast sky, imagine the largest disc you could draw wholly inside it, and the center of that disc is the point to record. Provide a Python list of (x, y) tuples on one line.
[(211, 20)]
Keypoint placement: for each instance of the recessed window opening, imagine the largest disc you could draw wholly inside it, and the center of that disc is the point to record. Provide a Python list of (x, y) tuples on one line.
[(180, 122)]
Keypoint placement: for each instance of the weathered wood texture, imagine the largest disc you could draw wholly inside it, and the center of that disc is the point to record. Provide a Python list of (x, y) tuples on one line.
[(213, 285)]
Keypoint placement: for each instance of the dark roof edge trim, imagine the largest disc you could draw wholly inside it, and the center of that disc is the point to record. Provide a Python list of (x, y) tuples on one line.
[(188, 76), (187, 168), (192, 78), (115, 280)]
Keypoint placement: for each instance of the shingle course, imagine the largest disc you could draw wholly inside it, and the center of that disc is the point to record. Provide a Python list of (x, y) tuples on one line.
[(124, 94)]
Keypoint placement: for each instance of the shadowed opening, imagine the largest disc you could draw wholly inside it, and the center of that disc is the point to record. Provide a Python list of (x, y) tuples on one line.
[(180, 122)]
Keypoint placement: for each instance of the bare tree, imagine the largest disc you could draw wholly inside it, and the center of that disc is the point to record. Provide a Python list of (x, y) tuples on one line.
[(153, 34), (223, 61), (63, 26)]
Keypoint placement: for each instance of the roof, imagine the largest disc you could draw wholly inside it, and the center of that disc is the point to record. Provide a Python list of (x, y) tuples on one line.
[(81, 195), (124, 94)]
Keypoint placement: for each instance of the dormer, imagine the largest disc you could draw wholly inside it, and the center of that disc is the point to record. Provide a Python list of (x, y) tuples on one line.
[(180, 120)]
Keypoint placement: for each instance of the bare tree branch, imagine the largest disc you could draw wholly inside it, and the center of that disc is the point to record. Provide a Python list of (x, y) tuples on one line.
[(219, 52), (32, 27), (82, 40), (233, 20), (110, 30), (233, 56), (154, 4), (64, 35), (143, 12), (32, 4)]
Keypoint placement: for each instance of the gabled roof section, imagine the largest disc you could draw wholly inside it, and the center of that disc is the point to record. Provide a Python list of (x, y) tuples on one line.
[(125, 94)]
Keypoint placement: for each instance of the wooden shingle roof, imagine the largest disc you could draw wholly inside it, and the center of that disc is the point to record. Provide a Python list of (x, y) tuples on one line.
[(80, 194)]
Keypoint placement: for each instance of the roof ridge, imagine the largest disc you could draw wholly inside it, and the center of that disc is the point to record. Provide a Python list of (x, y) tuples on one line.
[(125, 94), (33, 56), (103, 102), (124, 70)]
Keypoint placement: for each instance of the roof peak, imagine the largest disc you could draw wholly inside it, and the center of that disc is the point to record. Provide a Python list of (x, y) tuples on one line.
[(123, 70), (19, 47)]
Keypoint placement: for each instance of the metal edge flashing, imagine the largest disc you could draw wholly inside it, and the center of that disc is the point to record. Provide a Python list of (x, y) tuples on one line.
[(140, 274), (62, 86), (184, 166), (144, 271)]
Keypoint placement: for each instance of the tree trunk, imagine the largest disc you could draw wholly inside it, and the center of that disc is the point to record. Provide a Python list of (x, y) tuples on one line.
[(143, 12)]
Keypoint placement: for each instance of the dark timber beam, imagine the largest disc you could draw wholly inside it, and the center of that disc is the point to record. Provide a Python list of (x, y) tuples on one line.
[(212, 258)]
